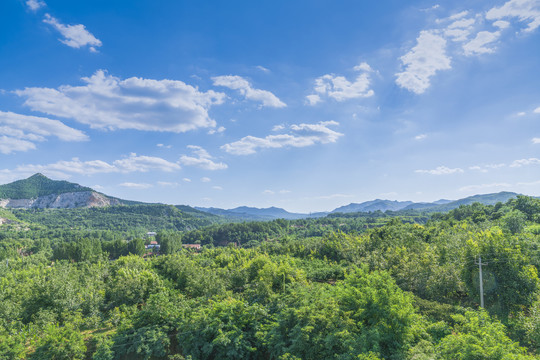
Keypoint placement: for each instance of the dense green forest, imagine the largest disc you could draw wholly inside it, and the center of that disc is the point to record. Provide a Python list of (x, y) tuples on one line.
[(141, 217), (38, 185), (360, 286)]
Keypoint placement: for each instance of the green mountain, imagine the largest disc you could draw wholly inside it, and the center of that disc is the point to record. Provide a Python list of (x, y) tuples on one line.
[(485, 199), (437, 206), (246, 213), (56, 204), (374, 205), (140, 218), (38, 185)]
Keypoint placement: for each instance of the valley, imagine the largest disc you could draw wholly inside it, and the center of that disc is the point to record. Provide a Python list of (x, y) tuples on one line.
[(393, 282)]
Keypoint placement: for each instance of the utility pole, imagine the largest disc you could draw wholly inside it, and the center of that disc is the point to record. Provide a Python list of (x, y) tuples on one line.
[(481, 281)]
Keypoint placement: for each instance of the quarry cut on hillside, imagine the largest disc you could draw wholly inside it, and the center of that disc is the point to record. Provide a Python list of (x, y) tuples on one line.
[(61, 201)]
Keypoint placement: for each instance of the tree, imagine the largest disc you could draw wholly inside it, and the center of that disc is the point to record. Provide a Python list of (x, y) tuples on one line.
[(477, 337), (170, 243), (136, 247), (514, 221)]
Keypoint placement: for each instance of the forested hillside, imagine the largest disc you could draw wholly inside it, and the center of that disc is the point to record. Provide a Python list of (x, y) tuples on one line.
[(142, 218), (38, 185), (359, 287)]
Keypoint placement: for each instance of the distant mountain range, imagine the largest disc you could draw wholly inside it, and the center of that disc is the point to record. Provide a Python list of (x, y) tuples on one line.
[(38, 191), (253, 213), (443, 205), (436, 206)]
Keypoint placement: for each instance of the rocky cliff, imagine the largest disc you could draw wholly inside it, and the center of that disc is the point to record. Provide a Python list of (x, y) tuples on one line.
[(67, 200)]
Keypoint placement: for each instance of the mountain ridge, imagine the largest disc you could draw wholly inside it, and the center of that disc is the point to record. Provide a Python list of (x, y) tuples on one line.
[(36, 186), (442, 205), (38, 191)]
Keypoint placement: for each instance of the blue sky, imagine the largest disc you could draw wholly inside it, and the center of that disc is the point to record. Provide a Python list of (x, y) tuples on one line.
[(305, 105)]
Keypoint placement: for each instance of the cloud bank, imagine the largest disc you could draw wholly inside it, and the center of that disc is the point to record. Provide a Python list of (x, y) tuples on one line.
[(341, 89), (21, 132), (469, 35), (235, 82), (66, 168), (202, 159), (300, 135), (107, 102)]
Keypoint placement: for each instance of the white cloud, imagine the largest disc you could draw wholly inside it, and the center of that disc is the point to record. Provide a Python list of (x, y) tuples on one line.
[(107, 102), (66, 168), (205, 179), (537, 110), (521, 113), (536, 140), (235, 82), (167, 184), (219, 130), (271, 192), (300, 136), (459, 30), (420, 137), (495, 166), (341, 89), (486, 168), (35, 4), (484, 187), (423, 62), (525, 162), (432, 53), (164, 146), (135, 163), (457, 34), (440, 170), (20, 132), (35, 128), (217, 188), (262, 68), (436, 6), (202, 159), (501, 24), (459, 15), (9, 145), (477, 168), (364, 66), (313, 99), (461, 24), (478, 45), (525, 10), (61, 169), (137, 186), (75, 36), (186, 180)]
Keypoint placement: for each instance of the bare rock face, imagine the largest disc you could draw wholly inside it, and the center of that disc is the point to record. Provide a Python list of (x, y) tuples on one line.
[(68, 200)]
